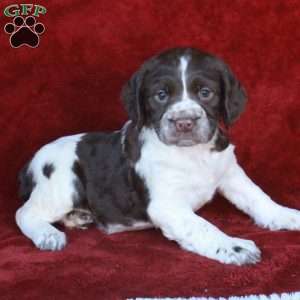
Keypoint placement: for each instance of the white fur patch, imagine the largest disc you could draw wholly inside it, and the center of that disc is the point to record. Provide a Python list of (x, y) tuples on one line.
[(188, 108), (190, 172)]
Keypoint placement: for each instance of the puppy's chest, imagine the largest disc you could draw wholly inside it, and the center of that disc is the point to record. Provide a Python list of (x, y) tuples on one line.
[(190, 174)]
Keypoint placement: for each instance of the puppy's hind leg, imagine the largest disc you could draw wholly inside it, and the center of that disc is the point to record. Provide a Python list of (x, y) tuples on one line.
[(34, 219), (50, 184)]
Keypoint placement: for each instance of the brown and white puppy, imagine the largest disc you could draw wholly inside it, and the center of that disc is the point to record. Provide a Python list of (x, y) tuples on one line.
[(164, 164)]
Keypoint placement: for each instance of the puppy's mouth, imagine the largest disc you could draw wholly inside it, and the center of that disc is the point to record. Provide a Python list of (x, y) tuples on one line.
[(201, 133), (185, 140)]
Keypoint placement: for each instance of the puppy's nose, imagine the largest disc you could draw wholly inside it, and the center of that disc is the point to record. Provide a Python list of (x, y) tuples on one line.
[(184, 125)]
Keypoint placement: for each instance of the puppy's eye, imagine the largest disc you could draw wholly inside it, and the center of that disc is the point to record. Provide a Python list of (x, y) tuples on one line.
[(161, 96), (205, 93)]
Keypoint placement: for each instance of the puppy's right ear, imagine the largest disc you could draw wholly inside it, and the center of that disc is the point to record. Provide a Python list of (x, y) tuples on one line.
[(234, 96), (131, 98)]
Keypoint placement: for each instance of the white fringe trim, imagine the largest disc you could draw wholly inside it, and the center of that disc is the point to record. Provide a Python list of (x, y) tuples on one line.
[(284, 296)]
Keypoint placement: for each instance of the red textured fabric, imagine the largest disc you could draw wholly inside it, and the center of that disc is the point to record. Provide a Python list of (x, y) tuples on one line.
[(71, 83)]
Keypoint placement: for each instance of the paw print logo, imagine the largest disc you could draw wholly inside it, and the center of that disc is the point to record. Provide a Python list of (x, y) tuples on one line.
[(24, 32)]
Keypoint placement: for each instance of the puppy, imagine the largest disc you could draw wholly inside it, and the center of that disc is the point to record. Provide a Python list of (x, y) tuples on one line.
[(165, 163)]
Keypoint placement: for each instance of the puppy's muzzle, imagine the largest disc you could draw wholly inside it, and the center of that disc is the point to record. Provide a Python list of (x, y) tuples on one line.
[(185, 124)]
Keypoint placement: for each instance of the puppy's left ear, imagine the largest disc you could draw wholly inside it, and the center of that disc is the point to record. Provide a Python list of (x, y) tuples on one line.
[(131, 98), (234, 97)]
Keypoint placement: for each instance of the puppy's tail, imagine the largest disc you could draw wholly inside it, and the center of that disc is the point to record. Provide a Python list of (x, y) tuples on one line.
[(26, 183)]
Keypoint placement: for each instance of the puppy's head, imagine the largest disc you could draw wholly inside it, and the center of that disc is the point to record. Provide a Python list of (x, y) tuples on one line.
[(184, 94)]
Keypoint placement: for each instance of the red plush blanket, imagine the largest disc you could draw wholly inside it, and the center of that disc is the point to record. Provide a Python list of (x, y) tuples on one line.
[(71, 83)]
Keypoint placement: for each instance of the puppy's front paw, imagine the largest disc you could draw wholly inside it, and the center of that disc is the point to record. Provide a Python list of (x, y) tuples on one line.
[(239, 252), (51, 241), (286, 218)]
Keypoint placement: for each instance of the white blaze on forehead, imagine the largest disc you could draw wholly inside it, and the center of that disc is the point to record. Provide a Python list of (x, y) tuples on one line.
[(183, 67), (186, 106)]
